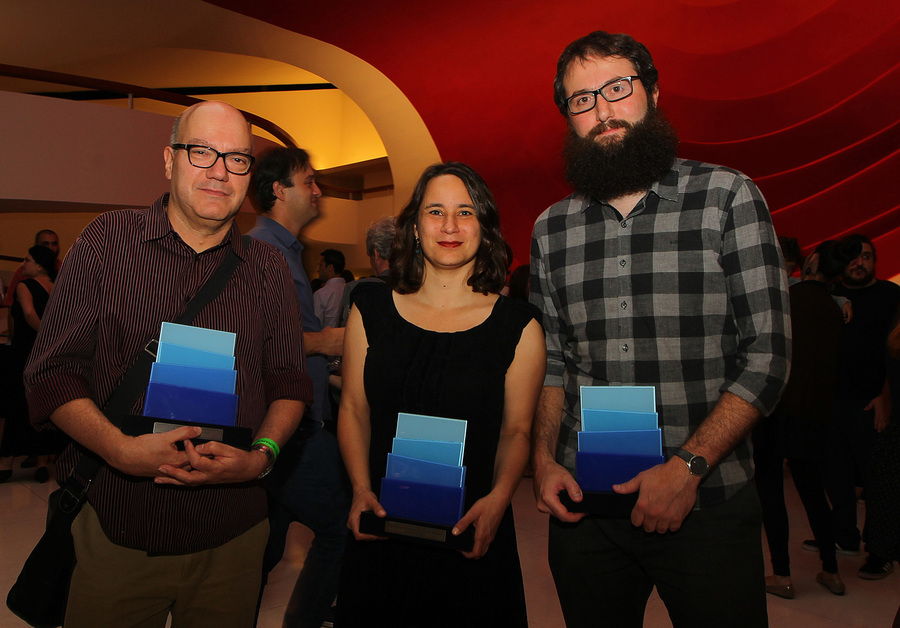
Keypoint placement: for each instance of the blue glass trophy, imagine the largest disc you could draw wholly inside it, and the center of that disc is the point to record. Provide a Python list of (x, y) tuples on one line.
[(619, 438), (192, 382), (424, 487)]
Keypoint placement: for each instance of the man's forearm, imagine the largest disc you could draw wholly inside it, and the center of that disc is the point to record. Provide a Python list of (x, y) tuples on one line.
[(87, 425), (548, 418), (281, 420), (727, 425), (329, 341)]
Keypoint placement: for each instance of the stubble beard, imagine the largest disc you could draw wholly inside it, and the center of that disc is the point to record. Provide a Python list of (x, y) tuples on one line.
[(853, 282)]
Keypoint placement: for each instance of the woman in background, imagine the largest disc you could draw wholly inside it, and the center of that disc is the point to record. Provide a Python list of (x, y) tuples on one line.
[(440, 341), (797, 429), (32, 294)]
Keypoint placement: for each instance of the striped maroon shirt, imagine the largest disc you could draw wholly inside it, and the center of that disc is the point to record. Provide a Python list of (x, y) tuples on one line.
[(126, 274)]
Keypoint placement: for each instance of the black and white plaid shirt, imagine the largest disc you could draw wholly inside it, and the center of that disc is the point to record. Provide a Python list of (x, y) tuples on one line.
[(687, 293)]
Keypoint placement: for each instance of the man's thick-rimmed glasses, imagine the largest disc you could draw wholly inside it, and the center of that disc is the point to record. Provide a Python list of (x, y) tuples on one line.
[(613, 91), (205, 157)]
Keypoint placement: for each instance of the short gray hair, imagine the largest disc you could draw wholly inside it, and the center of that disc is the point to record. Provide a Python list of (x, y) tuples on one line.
[(380, 236)]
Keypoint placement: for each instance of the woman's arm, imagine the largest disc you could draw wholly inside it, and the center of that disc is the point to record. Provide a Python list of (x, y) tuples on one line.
[(354, 430), (523, 385), (24, 297)]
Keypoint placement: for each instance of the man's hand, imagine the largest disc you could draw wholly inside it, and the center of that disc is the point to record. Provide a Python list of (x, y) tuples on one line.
[(143, 455), (549, 479), (882, 407), (213, 463), (667, 495)]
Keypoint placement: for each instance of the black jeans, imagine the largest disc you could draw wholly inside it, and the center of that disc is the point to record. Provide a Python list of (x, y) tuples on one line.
[(708, 573), (808, 481)]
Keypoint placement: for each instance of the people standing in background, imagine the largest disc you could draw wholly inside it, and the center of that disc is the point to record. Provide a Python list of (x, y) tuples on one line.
[(798, 429), (19, 438), (862, 406), (46, 238), (793, 258), (327, 299), (379, 238), (883, 494), (309, 484)]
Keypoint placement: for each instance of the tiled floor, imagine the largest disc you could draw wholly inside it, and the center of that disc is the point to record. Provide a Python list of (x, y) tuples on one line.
[(866, 604)]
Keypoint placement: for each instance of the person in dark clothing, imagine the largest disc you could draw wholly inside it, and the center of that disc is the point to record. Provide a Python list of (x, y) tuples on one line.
[(797, 429), (862, 398)]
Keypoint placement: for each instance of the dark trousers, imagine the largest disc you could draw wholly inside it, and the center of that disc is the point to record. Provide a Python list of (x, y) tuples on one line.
[(808, 481), (852, 441), (309, 485), (708, 573)]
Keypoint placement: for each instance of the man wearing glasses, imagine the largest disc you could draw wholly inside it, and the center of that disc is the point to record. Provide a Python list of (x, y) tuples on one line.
[(169, 531), (663, 272)]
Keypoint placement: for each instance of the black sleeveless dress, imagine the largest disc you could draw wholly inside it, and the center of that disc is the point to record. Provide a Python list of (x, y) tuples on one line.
[(19, 437), (459, 375)]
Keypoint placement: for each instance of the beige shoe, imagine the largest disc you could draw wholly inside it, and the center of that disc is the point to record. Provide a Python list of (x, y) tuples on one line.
[(832, 582), (784, 589)]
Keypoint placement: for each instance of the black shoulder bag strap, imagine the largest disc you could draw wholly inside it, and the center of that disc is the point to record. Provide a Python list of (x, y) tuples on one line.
[(135, 381)]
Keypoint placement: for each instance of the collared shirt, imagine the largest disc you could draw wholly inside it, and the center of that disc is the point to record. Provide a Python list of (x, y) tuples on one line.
[(127, 273), (687, 293), (276, 234), (328, 301)]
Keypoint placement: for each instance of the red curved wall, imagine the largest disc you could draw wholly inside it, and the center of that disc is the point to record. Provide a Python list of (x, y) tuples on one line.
[(800, 95)]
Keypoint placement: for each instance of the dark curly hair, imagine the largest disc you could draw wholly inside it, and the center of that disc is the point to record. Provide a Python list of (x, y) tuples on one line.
[(408, 266), (602, 44)]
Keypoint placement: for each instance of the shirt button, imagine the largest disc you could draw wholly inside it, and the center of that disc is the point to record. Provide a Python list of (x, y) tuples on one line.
[(625, 348), (624, 305), (624, 224), (622, 263)]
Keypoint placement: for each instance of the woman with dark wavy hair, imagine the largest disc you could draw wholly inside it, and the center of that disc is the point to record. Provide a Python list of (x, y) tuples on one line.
[(407, 264), (440, 341)]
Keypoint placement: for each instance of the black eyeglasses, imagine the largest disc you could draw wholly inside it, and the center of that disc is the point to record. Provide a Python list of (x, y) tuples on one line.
[(613, 91), (205, 157)]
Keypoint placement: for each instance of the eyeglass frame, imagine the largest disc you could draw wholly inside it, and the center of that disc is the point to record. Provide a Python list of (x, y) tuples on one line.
[(187, 148), (599, 92)]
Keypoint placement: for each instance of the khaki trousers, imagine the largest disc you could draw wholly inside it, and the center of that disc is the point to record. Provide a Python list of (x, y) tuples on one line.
[(118, 587)]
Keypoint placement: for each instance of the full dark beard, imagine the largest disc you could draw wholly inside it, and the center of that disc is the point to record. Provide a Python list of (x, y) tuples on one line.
[(625, 165)]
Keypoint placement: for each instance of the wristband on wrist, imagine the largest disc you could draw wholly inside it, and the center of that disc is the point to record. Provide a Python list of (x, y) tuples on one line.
[(270, 449), (271, 444)]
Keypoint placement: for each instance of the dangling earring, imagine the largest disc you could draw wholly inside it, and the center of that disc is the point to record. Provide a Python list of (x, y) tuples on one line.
[(418, 246)]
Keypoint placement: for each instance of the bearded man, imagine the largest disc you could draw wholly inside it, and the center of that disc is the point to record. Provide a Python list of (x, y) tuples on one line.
[(862, 404), (664, 272)]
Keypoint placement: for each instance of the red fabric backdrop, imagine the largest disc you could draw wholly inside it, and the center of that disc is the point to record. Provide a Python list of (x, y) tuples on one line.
[(800, 95)]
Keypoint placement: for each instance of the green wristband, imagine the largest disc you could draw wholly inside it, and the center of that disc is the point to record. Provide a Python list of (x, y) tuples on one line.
[(271, 444)]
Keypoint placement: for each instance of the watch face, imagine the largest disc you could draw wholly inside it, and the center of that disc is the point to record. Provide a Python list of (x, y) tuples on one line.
[(698, 465)]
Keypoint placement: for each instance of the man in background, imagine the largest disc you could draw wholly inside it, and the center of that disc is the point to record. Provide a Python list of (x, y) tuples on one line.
[(379, 238), (327, 299), (862, 405), (308, 485)]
